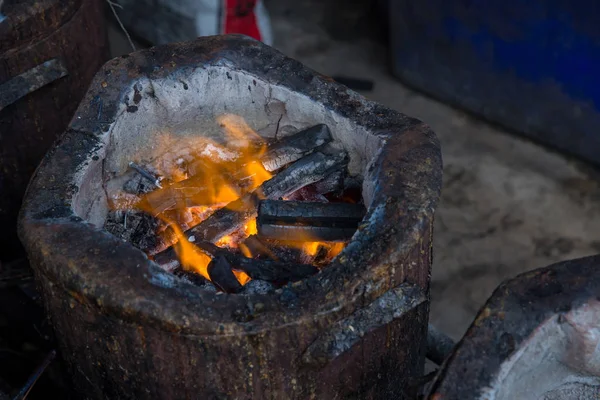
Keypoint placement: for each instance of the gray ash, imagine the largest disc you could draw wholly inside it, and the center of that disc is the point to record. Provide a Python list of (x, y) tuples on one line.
[(135, 227)]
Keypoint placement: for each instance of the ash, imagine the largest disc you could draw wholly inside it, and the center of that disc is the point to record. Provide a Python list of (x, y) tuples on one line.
[(256, 286), (135, 227)]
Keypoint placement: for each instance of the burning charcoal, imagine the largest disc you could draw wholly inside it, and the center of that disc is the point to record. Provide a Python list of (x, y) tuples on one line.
[(266, 270), (303, 172), (308, 193), (332, 183), (258, 287), (167, 263), (253, 247), (294, 147), (222, 276), (292, 220), (274, 271), (291, 252), (350, 193), (190, 192), (146, 174)]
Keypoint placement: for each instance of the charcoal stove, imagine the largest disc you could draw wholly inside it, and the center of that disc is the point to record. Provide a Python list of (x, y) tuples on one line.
[(129, 329), (536, 338)]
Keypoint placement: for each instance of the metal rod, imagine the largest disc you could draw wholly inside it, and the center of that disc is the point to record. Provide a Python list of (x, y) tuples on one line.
[(146, 174), (35, 376), (439, 345)]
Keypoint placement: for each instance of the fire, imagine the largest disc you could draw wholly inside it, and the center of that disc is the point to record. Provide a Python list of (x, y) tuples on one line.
[(312, 248), (201, 175), (208, 176), (190, 256), (331, 249)]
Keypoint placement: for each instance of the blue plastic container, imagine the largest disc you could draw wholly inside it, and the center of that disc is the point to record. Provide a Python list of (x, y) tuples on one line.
[(532, 66)]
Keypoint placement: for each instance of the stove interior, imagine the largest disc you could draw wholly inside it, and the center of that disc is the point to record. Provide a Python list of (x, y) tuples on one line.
[(230, 182)]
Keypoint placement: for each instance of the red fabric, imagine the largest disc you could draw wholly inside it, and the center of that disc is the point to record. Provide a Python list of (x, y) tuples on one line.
[(240, 18)]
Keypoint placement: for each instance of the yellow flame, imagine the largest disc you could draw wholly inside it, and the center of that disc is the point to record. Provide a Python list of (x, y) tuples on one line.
[(245, 250), (241, 276), (311, 248), (217, 176), (202, 175), (250, 227)]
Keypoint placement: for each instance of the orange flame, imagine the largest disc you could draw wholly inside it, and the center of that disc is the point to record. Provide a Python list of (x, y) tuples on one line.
[(216, 175), (200, 176)]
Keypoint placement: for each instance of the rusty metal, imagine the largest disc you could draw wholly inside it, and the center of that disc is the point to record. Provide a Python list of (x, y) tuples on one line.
[(127, 329), (30, 81), (536, 337), (40, 41)]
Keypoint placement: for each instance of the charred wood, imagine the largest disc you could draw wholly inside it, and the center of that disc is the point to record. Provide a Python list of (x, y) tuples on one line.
[(294, 147), (332, 183), (190, 276), (308, 193), (303, 172), (274, 271), (301, 221), (305, 233), (221, 275), (253, 247), (266, 270)]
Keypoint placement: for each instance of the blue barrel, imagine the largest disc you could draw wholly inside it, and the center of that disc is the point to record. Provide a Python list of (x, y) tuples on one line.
[(532, 66)]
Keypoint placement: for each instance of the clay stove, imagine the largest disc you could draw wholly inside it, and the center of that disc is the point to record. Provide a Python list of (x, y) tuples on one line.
[(129, 329), (536, 338)]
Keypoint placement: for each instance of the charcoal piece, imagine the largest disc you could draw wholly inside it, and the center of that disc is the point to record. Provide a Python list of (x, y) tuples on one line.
[(332, 183), (304, 232), (190, 276), (273, 271), (301, 221), (305, 171), (316, 259), (308, 193), (258, 287), (221, 275), (168, 265), (138, 186), (253, 247), (266, 270), (292, 148), (286, 251), (190, 192), (135, 227), (350, 193)]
